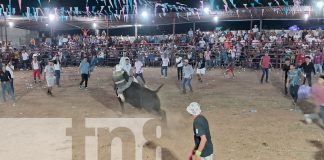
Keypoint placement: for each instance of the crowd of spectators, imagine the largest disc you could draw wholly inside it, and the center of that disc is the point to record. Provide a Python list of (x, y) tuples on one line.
[(219, 47)]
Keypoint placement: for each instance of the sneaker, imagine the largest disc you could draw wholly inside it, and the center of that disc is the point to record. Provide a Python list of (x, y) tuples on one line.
[(14, 104), (86, 88), (80, 87)]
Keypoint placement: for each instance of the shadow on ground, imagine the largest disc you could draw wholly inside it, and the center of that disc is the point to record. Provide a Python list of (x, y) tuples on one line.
[(319, 155)]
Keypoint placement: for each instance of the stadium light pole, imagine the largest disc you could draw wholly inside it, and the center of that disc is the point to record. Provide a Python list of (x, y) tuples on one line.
[(52, 18)]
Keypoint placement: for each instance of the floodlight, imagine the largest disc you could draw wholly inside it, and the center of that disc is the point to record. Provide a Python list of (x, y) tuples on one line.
[(51, 17), (215, 19), (11, 24), (206, 10), (94, 25), (320, 4), (144, 14), (306, 16)]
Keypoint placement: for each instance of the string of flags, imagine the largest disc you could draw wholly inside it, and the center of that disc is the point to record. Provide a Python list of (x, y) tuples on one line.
[(124, 9)]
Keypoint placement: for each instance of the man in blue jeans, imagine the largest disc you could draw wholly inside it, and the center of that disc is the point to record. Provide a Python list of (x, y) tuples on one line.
[(164, 66), (5, 79), (187, 75), (84, 70)]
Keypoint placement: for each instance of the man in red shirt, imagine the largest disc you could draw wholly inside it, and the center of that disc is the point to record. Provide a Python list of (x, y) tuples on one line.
[(265, 65), (300, 58)]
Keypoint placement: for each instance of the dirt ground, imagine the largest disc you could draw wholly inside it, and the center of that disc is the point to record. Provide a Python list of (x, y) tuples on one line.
[(248, 121)]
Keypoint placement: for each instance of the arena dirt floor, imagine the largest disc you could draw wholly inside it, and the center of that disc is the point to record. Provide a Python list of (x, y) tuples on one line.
[(248, 121)]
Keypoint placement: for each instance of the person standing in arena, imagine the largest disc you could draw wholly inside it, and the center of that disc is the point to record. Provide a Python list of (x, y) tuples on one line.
[(203, 148), (164, 66), (11, 68), (201, 67), (84, 70), (187, 75), (57, 67), (139, 70), (308, 68), (265, 65), (179, 65), (5, 79), (36, 69), (49, 76), (286, 68)]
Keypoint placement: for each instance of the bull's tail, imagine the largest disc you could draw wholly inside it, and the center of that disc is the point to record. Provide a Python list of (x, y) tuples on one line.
[(158, 89)]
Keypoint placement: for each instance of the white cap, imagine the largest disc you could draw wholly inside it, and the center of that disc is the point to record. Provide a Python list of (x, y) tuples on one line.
[(194, 109)]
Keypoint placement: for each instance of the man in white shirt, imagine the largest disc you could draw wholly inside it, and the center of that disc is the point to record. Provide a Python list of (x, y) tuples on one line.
[(222, 39), (25, 58), (139, 69), (164, 66), (10, 68), (127, 66), (179, 65), (190, 33), (255, 29), (202, 43)]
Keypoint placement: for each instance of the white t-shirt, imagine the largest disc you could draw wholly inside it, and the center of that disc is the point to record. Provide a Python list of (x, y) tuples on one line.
[(10, 69), (35, 65), (202, 43), (273, 38), (254, 30), (165, 61), (139, 67), (190, 33), (57, 66), (222, 39), (179, 59), (25, 56)]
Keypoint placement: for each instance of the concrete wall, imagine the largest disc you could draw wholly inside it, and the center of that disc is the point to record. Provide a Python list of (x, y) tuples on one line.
[(17, 36)]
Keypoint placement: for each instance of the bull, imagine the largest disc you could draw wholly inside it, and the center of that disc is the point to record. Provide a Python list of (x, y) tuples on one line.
[(142, 98)]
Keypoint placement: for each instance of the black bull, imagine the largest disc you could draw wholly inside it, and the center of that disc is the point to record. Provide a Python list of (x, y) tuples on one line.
[(141, 97)]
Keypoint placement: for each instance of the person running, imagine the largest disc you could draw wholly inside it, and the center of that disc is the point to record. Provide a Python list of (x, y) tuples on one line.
[(203, 148), (200, 65), (187, 75), (317, 93), (286, 68), (49, 73), (308, 68), (164, 66), (11, 68), (84, 70), (293, 82), (139, 70), (58, 68), (179, 65), (36, 70), (5, 79), (265, 65)]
